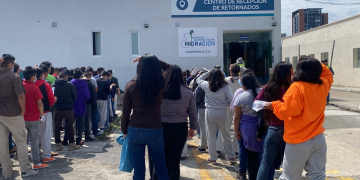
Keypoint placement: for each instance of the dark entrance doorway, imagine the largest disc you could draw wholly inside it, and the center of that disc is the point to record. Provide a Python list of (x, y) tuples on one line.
[(255, 49)]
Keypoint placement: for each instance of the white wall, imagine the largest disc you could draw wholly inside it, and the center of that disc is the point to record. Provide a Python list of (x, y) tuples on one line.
[(25, 32), (347, 37)]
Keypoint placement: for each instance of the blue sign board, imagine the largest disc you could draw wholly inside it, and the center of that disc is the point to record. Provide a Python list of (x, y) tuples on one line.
[(244, 37), (221, 8)]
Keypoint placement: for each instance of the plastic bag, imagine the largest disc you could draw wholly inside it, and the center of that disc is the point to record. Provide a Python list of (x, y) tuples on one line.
[(259, 105)]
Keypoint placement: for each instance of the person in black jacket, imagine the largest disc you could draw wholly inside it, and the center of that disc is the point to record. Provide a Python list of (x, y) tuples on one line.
[(66, 95), (89, 104), (102, 97)]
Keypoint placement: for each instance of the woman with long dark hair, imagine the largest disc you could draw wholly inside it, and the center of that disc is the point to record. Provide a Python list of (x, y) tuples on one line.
[(303, 113), (143, 96), (218, 96), (274, 143), (178, 104), (245, 123)]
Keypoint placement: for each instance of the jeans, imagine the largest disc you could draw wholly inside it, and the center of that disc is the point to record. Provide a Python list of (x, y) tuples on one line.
[(79, 128), (328, 98), (272, 144), (243, 158), (11, 144), (113, 107), (138, 138), (175, 135), (95, 120)]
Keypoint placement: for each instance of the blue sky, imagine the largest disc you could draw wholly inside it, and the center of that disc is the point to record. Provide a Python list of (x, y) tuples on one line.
[(336, 12)]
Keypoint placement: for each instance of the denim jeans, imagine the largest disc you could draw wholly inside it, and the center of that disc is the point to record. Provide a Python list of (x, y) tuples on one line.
[(242, 157), (95, 120), (272, 144), (11, 144), (113, 107), (79, 127), (328, 98), (138, 138)]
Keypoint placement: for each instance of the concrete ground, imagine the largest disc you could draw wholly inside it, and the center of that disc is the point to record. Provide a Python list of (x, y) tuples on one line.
[(100, 159)]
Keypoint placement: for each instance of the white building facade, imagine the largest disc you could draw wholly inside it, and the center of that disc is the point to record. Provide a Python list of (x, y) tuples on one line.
[(319, 43), (111, 33)]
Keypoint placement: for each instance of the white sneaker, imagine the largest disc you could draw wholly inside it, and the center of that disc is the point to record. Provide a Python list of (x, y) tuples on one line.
[(29, 173)]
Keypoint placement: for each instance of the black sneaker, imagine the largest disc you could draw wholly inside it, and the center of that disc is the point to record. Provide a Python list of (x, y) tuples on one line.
[(29, 173), (64, 143), (89, 139), (202, 149), (236, 154), (218, 153), (241, 175)]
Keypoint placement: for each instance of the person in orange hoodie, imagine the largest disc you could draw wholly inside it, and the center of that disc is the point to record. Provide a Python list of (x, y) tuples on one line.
[(303, 114)]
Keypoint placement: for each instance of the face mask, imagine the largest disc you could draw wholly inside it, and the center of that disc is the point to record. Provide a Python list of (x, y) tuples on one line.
[(12, 70), (34, 81)]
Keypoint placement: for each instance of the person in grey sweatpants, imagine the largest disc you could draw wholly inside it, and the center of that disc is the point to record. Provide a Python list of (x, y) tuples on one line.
[(102, 107), (218, 97), (34, 131), (310, 154), (199, 94)]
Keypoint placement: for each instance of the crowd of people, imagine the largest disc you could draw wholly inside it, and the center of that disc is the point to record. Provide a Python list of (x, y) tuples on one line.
[(37, 103), (164, 106)]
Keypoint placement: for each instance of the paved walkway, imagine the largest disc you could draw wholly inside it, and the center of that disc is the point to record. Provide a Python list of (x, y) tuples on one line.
[(345, 98)]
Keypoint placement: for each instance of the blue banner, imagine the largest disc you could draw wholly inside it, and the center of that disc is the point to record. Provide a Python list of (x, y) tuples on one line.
[(233, 5)]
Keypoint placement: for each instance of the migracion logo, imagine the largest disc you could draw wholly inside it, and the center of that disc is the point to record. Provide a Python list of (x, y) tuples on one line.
[(182, 4), (191, 40)]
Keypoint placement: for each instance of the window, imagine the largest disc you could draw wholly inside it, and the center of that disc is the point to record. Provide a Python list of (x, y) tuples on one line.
[(96, 37), (324, 55), (287, 59), (134, 43), (357, 58), (294, 62), (312, 55)]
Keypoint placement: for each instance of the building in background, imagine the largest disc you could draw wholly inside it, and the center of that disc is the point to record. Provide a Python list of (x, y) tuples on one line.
[(305, 19), (318, 43), (112, 33)]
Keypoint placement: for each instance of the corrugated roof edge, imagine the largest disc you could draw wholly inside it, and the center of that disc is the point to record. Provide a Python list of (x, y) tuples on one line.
[(324, 26)]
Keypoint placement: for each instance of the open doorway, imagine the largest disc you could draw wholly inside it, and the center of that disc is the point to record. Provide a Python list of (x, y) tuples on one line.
[(254, 47)]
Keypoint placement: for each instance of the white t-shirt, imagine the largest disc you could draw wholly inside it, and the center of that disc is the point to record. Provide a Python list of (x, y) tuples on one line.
[(233, 85)]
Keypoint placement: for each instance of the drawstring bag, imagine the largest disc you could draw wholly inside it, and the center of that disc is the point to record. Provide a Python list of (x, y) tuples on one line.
[(125, 159)]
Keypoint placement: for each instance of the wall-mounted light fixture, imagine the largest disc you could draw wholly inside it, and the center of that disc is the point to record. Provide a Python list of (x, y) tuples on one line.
[(146, 26), (274, 24)]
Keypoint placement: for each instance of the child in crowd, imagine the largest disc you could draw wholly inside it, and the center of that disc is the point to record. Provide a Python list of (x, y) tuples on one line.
[(33, 109), (303, 114)]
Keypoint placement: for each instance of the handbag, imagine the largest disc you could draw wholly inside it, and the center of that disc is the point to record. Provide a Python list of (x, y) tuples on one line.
[(125, 159), (261, 126)]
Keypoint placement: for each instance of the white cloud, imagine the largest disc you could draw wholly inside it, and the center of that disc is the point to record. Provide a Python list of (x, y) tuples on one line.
[(336, 12)]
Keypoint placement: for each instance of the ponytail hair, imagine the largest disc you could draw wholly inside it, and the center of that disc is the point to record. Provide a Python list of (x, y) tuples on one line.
[(249, 82), (235, 70)]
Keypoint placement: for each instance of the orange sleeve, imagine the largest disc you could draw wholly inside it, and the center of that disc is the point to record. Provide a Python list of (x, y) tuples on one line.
[(327, 77), (293, 104)]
